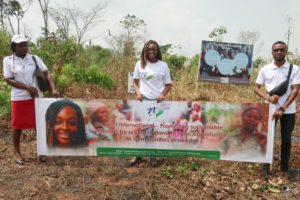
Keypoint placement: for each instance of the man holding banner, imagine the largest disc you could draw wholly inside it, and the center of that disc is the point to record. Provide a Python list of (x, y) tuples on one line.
[(272, 76)]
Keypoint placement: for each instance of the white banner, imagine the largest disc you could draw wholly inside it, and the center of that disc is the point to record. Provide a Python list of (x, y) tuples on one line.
[(222, 131)]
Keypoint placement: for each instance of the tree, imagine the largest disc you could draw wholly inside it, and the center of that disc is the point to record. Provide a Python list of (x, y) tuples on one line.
[(62, 20), (132, 34), (290, 31), (84, 21), (3, 7), (75, 20), (217, 33), (44, 4), (14, 9), (250, 37), (10, 9)]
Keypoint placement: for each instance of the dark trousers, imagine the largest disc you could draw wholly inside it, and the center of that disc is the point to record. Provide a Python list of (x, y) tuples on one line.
[(287, 124)]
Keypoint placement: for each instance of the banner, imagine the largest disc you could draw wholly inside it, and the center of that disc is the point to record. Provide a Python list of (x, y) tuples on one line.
[(98, 127), (225, 62)]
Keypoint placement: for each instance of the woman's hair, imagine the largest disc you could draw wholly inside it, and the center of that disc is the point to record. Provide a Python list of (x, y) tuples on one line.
[(79, 138), (13, 47), (144, 53)]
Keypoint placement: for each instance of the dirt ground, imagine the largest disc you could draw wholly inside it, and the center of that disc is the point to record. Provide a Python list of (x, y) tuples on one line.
[(110, 178)]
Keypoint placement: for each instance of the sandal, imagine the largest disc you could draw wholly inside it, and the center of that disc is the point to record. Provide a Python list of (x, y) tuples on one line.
[(20, 161), (135, 161)]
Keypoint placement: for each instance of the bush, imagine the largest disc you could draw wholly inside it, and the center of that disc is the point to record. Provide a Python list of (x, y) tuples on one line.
[(5, 106), (90, 75)]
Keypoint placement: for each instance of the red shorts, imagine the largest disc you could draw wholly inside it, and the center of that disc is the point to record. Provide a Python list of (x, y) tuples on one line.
[(23, 114)]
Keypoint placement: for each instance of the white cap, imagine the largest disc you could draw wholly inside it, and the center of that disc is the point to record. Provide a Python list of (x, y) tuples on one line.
[(18, 39)]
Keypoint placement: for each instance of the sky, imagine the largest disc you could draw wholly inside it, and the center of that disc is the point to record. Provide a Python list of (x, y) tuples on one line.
[(185, 23)]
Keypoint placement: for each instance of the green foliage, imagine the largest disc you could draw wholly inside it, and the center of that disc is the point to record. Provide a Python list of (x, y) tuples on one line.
[(5, 107), (195, 61), (61, 81), (214, 113), (217, 33), (187, 166), (176, 61), (165, 48), (99, 55), (168, 172), (258, 62), (4, 45), (90, 75), (131, 22), (67, 51)]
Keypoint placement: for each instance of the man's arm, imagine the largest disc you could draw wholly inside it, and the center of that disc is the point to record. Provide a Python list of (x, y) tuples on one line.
[(272, 99), (292, 96)]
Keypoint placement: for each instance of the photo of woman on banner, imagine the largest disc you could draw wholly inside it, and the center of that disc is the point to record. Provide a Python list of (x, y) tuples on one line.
[(98, 128), (249, 139), (65, 125)]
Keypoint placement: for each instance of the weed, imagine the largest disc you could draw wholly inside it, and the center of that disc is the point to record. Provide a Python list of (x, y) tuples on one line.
[(168, 172)]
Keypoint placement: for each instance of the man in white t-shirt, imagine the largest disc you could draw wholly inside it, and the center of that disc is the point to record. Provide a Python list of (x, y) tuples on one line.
[(271, 76)]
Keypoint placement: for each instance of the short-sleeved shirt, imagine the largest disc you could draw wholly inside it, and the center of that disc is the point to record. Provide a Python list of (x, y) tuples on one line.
[(22, 70), (271, 76), (153, 78)]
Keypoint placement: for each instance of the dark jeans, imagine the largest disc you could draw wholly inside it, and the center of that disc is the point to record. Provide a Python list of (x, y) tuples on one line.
[(287, 124)]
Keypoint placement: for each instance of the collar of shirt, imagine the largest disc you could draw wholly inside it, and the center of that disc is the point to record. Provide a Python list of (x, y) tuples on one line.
[(285, 65), (28, 56)]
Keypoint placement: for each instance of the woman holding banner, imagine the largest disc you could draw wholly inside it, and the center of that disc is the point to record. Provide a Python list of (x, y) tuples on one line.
[(18, 72), (152, 80)]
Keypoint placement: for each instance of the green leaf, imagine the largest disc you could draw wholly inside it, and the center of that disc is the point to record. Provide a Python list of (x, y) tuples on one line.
[(274, 190), (149, 77), (160, 112)]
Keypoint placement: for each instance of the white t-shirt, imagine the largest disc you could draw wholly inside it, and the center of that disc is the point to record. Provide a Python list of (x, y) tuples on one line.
[(153, 78), (271, 76), (22, 70)]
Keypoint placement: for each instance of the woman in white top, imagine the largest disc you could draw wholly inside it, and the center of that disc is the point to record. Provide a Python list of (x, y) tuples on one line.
[(151, 79), (18, 71)]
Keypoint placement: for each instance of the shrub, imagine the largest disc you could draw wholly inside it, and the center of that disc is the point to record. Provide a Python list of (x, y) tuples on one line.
[(5, 107), (90, 75)]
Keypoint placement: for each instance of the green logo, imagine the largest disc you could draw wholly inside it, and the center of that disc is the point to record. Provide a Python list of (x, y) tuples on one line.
[(149, 77), (160, 112)]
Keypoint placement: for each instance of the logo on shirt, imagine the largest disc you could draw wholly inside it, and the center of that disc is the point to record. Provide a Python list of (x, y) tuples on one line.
[(149, 77), (143, 75)]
